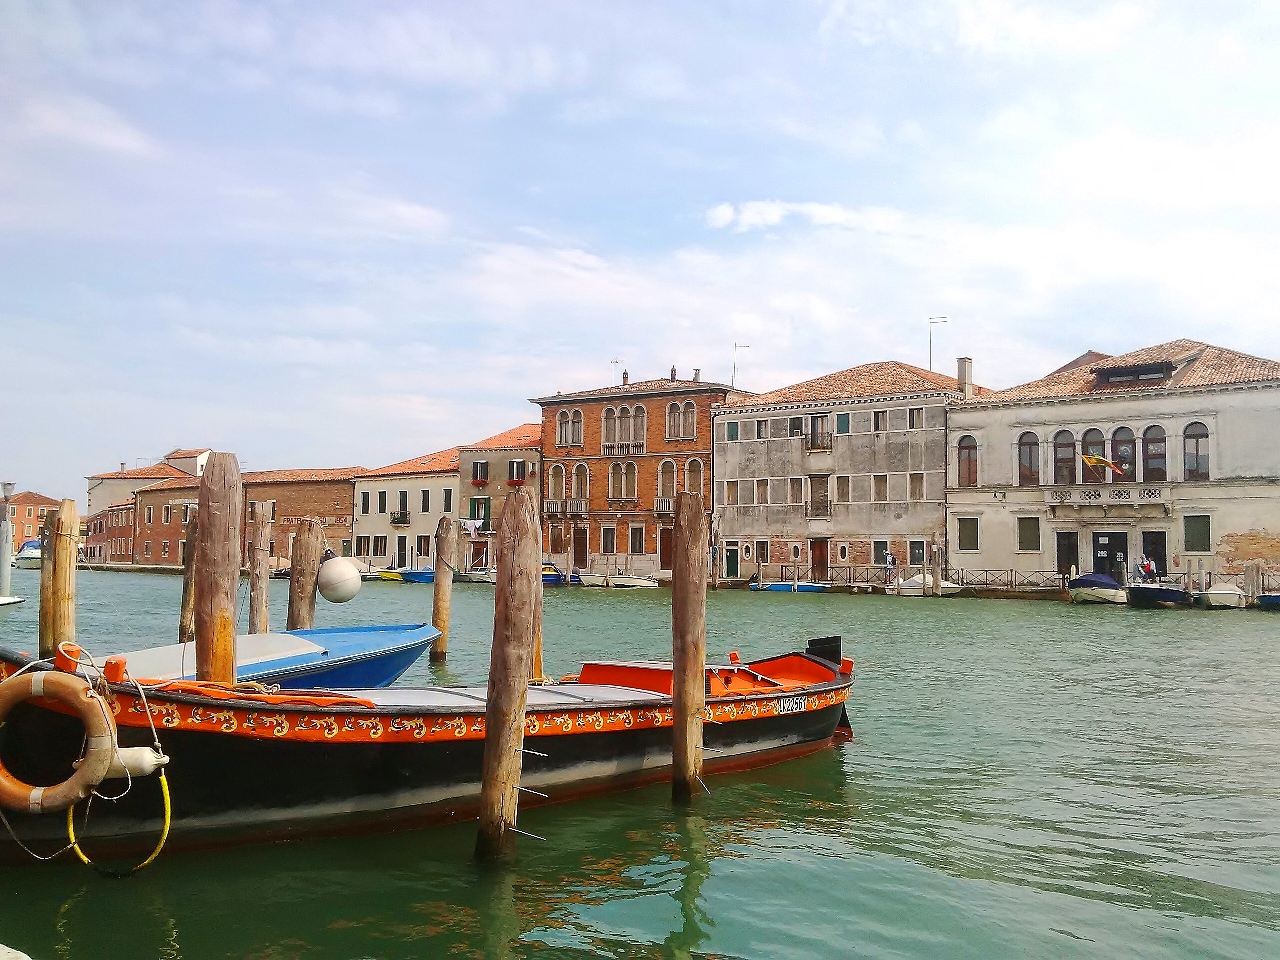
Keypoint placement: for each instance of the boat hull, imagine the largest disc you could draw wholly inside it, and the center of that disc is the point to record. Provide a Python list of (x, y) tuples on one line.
[(791, 587), (1222, 599), (593, 579), (1098, 595), (1269, 601), (1151, 596), (418, 576), (625, 581)]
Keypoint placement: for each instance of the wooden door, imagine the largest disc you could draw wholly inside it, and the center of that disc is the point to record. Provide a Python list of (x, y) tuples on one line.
[(580, 547), (818, 560), (665, 543)]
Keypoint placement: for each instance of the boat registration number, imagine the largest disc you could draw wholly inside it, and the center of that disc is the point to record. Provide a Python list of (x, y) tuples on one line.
[(792, 705)]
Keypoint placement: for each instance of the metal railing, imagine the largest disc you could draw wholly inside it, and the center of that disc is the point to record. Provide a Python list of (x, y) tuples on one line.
[(818, 511), (1106, 493), (400, 518), (817, 441), (1009, 579)]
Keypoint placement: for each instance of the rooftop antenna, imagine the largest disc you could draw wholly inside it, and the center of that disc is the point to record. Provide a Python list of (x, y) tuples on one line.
[(932, 321), (736, 347), (614, 363)]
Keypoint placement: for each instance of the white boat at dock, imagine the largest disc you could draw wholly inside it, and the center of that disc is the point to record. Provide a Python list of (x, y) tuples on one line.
[(1096, 588), (921, 585), (28, 557), (1222, 596)]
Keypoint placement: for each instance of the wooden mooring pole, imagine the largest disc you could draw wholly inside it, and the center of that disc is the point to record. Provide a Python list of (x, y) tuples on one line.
[(62, 611), (216, 578), (688, 645), (47, 538), (442, 595), (259, 572), (519, 577), (304, 568), (187, 616)]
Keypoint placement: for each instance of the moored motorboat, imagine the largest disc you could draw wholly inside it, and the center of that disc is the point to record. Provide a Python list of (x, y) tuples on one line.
[(802, 586), (1096, 588), (28, 556), (553, 576), (1222, 596), (424, 575), (476, 575), (629, 580), (1269, 601), (391, 574), (593, 579), (1158, 594), (244, 765), (11, 601), (921, 585)]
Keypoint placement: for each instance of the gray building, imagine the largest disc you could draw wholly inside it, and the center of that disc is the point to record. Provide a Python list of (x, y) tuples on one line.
[(825, 479)]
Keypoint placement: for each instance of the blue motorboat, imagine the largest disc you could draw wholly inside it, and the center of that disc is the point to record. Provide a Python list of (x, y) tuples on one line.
[(425, 575), (553, 576), (335, 658), (1096, 588), (1269, 601), (801, 587), (1158, 594)]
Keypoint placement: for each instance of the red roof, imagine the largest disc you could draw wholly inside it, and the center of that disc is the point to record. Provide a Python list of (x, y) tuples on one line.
[(29, 498), (442, 461), (303, 475), (641, 388), (889, 378), (1190, 364), (525, 435), (184, 482), (185, 454), (157, 471)]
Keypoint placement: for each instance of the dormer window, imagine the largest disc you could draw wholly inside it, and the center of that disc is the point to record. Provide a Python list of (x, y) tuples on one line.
[(1137, 374)]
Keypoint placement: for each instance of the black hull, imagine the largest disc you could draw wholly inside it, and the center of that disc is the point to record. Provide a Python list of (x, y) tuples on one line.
[(233, 789)]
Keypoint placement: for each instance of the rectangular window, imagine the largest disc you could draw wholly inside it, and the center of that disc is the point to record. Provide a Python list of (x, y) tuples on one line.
[(448, 500), (795, 426), (731, 492), (879, 551), (762, 491), (915, 553), (842, 423), (515, 469), (379, 546), (842, 489), (147, 514), (271, 548), (146, 547), (880, 487), (164, 548), (186, 514), (967, 528), (362, 546), (609, 540), (762, 551), (346, 548), (480, 470), (404, 501), (915, 417), (731, 430), (424, 546), (364, 502), (382, 501), (1196, 534), (273, 511), (879, 420), (637, 540), (916, 486), (426, 501), (796, 493), (762, 429), (253, 510), (1029, 534), (166, 514)]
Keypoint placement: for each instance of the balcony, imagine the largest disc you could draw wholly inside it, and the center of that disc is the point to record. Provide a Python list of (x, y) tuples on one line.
[(400, 518), (817, 441), (818, 510), (664, 505), (1106, 494), (553, 507), (575, 507), (622, 449)]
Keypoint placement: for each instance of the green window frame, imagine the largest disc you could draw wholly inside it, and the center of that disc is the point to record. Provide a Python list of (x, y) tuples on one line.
[(731, 430), (842, 423)]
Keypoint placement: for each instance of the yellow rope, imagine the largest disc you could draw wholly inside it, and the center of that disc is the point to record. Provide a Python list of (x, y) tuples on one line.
[(164, 834)]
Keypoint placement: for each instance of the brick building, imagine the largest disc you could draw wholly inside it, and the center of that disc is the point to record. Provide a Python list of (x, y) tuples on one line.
[(26, 512), (613, 461), (488, 472), (117, 486), (109, 535)]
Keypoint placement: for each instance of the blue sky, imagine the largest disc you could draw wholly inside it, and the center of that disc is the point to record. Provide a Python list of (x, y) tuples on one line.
[(323, 234)]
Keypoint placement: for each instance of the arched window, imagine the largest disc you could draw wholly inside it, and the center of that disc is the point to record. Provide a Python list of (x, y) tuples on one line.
[(1124, 454), (629, 482), (555, 482), (610, 426), (1064, 457), (693, 476), (580, 485), (673, 421), (615, 481), (1195, 452), (967, 461), (689, 421), (1093, 446), (1155, 468), (562, 428), (624, 425), (637, 425), (575, 428), (667, 479), (1028, 460)]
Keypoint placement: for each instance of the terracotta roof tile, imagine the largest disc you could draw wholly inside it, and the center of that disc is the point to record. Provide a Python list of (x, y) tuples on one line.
[(156, 471), (185, 454), (29, 498), (442, 461), (303, 475), (184, 482), (640, 388), (888, 378), (1195, 364), (525, 435)]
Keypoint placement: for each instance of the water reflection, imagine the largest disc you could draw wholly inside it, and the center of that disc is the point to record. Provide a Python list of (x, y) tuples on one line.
[(697, 868)]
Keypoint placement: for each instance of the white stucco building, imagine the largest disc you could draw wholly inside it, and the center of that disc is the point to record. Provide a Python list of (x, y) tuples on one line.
[(398, 506), (1168, 451)]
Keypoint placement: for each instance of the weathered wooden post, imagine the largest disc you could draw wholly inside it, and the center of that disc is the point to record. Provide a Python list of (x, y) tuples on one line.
[(187, 615), (688, 644), (519, 574), (936, 571), (259, 572), (442, 596), (47, 538), (304, 568), (217, 569), (66, 533)]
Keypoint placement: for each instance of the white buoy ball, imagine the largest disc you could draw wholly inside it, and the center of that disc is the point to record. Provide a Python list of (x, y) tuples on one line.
[(339, 580)]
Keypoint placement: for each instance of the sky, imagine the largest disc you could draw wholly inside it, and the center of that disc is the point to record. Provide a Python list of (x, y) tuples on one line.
[(331, 234)]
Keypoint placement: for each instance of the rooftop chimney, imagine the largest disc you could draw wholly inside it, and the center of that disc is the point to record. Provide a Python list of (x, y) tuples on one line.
[(697, 374), (964, 376), (122, 466), (673, 373), (626, 378)]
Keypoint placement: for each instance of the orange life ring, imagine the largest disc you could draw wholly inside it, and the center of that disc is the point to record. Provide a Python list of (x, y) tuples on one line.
[(100, 746)]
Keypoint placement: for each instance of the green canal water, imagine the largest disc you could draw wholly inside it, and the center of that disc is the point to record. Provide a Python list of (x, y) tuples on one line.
[(1025, 780)]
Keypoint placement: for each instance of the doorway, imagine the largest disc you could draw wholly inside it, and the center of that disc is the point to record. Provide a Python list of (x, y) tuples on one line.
[(818, 560), (580, 547), (1068, 552), (402, 551), (1153, 547), (1110, 554), (731, 560), (480, 555), (665, 535)]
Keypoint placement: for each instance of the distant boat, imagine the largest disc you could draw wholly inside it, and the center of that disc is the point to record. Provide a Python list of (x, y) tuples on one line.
[(28, 556), (11, 601), (1222, 596), (1151, 595), (593, 579), (622, 580), (553, 576), (425, 575), (921, 585), (331, 658), (1096, 588), (1269, 601), (390, 574), (802, 587), (280, 573), (479, 575)]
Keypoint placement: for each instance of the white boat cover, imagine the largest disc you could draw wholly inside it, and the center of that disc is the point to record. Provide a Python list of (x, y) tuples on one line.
[(176, 660)]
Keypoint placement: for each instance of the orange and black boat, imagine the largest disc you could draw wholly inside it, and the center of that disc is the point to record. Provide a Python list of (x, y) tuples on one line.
[(246, 765)]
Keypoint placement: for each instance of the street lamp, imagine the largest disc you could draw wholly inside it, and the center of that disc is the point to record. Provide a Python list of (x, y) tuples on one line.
[(932, 321), (736, 347)]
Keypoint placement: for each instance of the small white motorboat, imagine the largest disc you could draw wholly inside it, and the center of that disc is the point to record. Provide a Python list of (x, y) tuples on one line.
[(1222, 596), (921, 585), (28, 557), (1096, 588), (630, 580), (593, 579), (11, 601)]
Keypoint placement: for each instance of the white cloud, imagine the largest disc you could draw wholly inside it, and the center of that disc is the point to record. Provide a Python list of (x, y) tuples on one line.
[(85, 122), (1025, 29), (390, 216)]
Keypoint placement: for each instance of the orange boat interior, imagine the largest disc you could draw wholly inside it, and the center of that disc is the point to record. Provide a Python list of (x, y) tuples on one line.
[(775, 675)]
